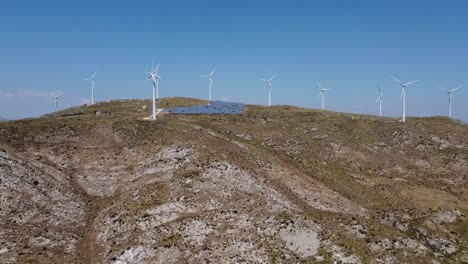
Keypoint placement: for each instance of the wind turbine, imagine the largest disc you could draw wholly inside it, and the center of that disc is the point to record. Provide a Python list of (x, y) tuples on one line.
[(153, 75), (269, 87), (403, 95), (56, 96), (450, 98), (322, 94), (91, 79), (379, 100), (210, 84)]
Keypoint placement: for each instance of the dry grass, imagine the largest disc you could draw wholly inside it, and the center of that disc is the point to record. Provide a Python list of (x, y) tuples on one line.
[(377, 163)]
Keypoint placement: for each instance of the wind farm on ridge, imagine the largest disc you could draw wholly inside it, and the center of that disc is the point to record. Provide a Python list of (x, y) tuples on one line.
[(154, 77), (233, 132)]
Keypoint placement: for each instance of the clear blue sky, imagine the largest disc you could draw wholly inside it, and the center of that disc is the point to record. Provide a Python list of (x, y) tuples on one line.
[(349, 46)]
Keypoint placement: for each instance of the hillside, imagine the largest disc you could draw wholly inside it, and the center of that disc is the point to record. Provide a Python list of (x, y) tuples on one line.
[(276, 185)]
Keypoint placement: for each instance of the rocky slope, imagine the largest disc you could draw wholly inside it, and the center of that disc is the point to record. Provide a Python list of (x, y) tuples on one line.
[(275, 185)]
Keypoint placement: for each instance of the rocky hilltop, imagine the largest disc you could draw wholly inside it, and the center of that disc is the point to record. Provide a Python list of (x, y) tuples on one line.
[(98, 184)]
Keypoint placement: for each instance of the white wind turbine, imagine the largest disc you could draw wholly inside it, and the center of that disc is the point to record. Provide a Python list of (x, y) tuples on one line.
[(450, 98), (153, 75), (210, 84), (269, 87), (379, 100), (56, 96), (322, 94), (403, 95), (91, 79)]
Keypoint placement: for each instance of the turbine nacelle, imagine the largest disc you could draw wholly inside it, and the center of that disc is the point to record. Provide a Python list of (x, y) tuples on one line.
[(323, 90), (453, 90), (153, 74), (404, 85), (57, 94), (91, 78), (269, 81), (210, 76), (272, 77)]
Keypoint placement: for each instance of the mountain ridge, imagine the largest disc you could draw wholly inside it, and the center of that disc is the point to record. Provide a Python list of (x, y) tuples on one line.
[(276, 184)]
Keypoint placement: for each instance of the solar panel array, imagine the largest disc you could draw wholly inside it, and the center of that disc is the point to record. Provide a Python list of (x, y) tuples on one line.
[(215, 108)]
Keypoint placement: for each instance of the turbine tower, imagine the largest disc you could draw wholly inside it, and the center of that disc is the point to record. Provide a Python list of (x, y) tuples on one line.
[(154, 77), (91, 79), (269, 87), (450, 99), (379, 100), (210, 83), (322, 94), (403, 95)]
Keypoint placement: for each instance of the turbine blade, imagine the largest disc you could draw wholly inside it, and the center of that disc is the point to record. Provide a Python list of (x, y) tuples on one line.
[(211, 74), (155, 70), (409, 83), (378, 99), (94, 74), (398, 81), (272, 77), (453, 90)]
